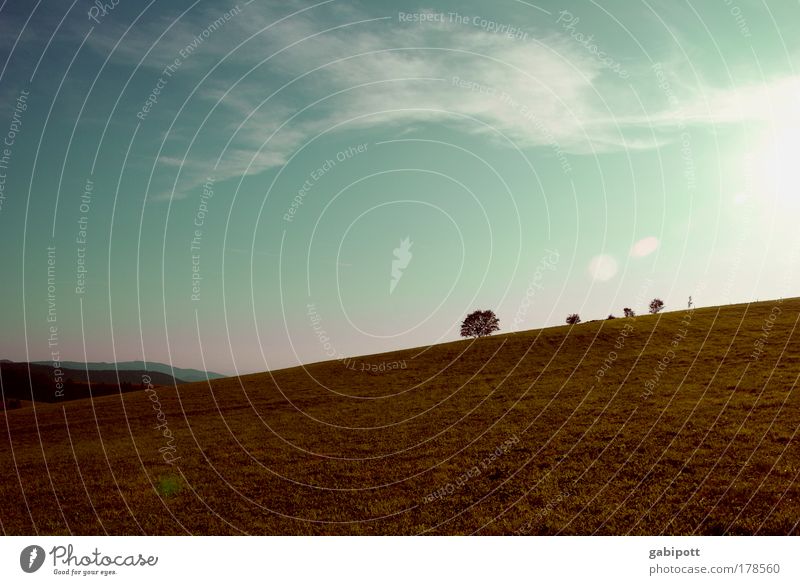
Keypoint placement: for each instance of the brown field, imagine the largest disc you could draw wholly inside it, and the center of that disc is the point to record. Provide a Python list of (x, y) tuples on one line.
[(331, 450)]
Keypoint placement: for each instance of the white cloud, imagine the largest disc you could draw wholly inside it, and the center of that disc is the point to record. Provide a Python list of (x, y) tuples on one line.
[(536, 94), (771, 102), (543, 91)]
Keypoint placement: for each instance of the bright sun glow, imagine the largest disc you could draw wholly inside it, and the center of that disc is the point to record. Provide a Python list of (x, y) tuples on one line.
[(779, 175)]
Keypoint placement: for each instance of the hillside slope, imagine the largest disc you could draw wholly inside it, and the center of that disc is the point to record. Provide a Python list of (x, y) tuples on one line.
[(514, 433)]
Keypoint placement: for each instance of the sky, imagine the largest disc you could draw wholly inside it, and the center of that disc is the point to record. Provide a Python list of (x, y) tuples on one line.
[(245, 187)]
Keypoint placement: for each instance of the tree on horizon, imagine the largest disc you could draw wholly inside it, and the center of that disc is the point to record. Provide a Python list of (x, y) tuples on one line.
[(480, 324)]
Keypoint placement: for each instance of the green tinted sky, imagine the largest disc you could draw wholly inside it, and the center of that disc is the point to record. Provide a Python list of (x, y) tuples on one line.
[(652, 145)]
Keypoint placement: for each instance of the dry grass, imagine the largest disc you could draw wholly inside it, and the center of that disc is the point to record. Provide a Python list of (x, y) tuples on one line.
[(328, 450)]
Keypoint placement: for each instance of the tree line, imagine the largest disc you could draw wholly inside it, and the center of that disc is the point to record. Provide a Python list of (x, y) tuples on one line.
[(484, 322)]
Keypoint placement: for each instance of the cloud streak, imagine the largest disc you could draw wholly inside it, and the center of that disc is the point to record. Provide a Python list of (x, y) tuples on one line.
[(311, 74)]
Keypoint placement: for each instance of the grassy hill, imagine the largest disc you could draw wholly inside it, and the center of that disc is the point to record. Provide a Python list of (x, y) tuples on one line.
[(692, 428)]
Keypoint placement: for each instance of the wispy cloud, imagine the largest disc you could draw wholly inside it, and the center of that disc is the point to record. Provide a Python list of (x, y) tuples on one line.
[(767, 101), (336, 68), (532, 93)]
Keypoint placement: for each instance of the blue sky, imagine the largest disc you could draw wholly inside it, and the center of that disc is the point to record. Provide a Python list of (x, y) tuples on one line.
[(254, 167)]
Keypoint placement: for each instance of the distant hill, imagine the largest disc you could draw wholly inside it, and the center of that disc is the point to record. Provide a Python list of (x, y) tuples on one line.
[(184, 374), (20, 380)]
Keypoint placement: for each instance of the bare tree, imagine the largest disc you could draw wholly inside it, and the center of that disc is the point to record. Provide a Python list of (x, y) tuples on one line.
[(480, 324), (573, 319)]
